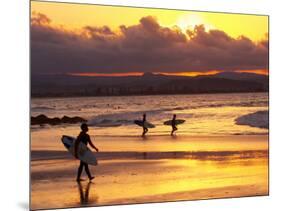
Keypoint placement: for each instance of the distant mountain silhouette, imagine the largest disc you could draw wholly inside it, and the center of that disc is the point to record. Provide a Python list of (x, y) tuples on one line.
[(241, 76), (148, 84)]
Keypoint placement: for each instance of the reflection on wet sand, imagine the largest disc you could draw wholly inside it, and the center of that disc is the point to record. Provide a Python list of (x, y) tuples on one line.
[(148, 180), (84, 193), (133, 170)]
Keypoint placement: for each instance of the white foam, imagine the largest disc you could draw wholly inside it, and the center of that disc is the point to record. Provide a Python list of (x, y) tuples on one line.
[(258, 119)]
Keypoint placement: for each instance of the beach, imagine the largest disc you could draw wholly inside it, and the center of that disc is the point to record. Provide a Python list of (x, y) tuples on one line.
[(220, 151), (156, 169)]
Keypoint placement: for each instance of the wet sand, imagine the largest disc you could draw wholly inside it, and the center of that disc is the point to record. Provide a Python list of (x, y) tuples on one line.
[(141, 176)]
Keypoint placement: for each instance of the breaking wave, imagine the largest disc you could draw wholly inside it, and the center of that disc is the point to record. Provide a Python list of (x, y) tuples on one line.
[(258, 119)]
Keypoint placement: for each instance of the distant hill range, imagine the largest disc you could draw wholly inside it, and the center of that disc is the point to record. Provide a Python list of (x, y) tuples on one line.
[(148, 84)]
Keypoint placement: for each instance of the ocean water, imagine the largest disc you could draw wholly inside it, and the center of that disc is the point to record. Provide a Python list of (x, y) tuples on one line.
[(205, 114)]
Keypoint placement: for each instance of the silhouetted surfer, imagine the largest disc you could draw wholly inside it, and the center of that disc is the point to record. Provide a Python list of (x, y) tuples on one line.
[(84, 138), (145, 130), (174, 128)]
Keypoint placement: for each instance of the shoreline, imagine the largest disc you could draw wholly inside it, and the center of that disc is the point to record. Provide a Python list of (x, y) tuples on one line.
[(90, 96), (41, 155), (185, 143), (179, 134)]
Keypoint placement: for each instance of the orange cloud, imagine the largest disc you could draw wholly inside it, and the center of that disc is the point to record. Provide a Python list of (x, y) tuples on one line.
[(89, 74), (262, 72), (190, 74)]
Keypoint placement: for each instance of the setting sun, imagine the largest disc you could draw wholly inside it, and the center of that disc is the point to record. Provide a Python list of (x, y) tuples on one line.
[(189, 21)]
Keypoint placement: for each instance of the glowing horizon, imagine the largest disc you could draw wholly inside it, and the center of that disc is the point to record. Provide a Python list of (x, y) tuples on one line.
[(187, 74)]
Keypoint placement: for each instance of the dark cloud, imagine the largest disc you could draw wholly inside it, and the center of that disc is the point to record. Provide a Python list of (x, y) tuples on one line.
[(144, 47), (148, 35)]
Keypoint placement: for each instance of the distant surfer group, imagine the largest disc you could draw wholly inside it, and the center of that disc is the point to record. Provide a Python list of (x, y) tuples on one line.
[(145, 124)]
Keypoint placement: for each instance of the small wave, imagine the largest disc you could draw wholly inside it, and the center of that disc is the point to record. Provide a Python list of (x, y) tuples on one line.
[(36, 108), (125, 118), (258, 119), (228, 104), (106, 122), (250, 133)]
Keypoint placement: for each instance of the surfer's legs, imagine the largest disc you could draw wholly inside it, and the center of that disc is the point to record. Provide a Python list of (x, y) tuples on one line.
[(173, 130), (88, 171), (145, 130), (80, 169)]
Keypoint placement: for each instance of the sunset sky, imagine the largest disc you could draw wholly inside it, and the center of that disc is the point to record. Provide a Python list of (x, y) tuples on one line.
[(104, 40)]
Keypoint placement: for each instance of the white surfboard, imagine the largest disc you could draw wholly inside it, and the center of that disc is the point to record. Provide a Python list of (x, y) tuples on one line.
[(177, 122), (84, 153), (146, 124)]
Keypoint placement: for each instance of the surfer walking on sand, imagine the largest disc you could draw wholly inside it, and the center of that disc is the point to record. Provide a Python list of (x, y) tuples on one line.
[(173, 124), (84, 138), (145, 129)]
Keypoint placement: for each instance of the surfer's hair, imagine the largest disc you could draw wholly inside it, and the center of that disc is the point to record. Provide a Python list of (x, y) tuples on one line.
[(83, 126)]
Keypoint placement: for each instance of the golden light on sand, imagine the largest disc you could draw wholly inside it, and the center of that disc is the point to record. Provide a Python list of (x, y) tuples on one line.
[(153, 181)]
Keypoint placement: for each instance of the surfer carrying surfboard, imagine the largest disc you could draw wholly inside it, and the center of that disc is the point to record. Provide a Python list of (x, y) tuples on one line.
[(144, 124), (145, 129), (174, 127), (174, 122), (84, 138)]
